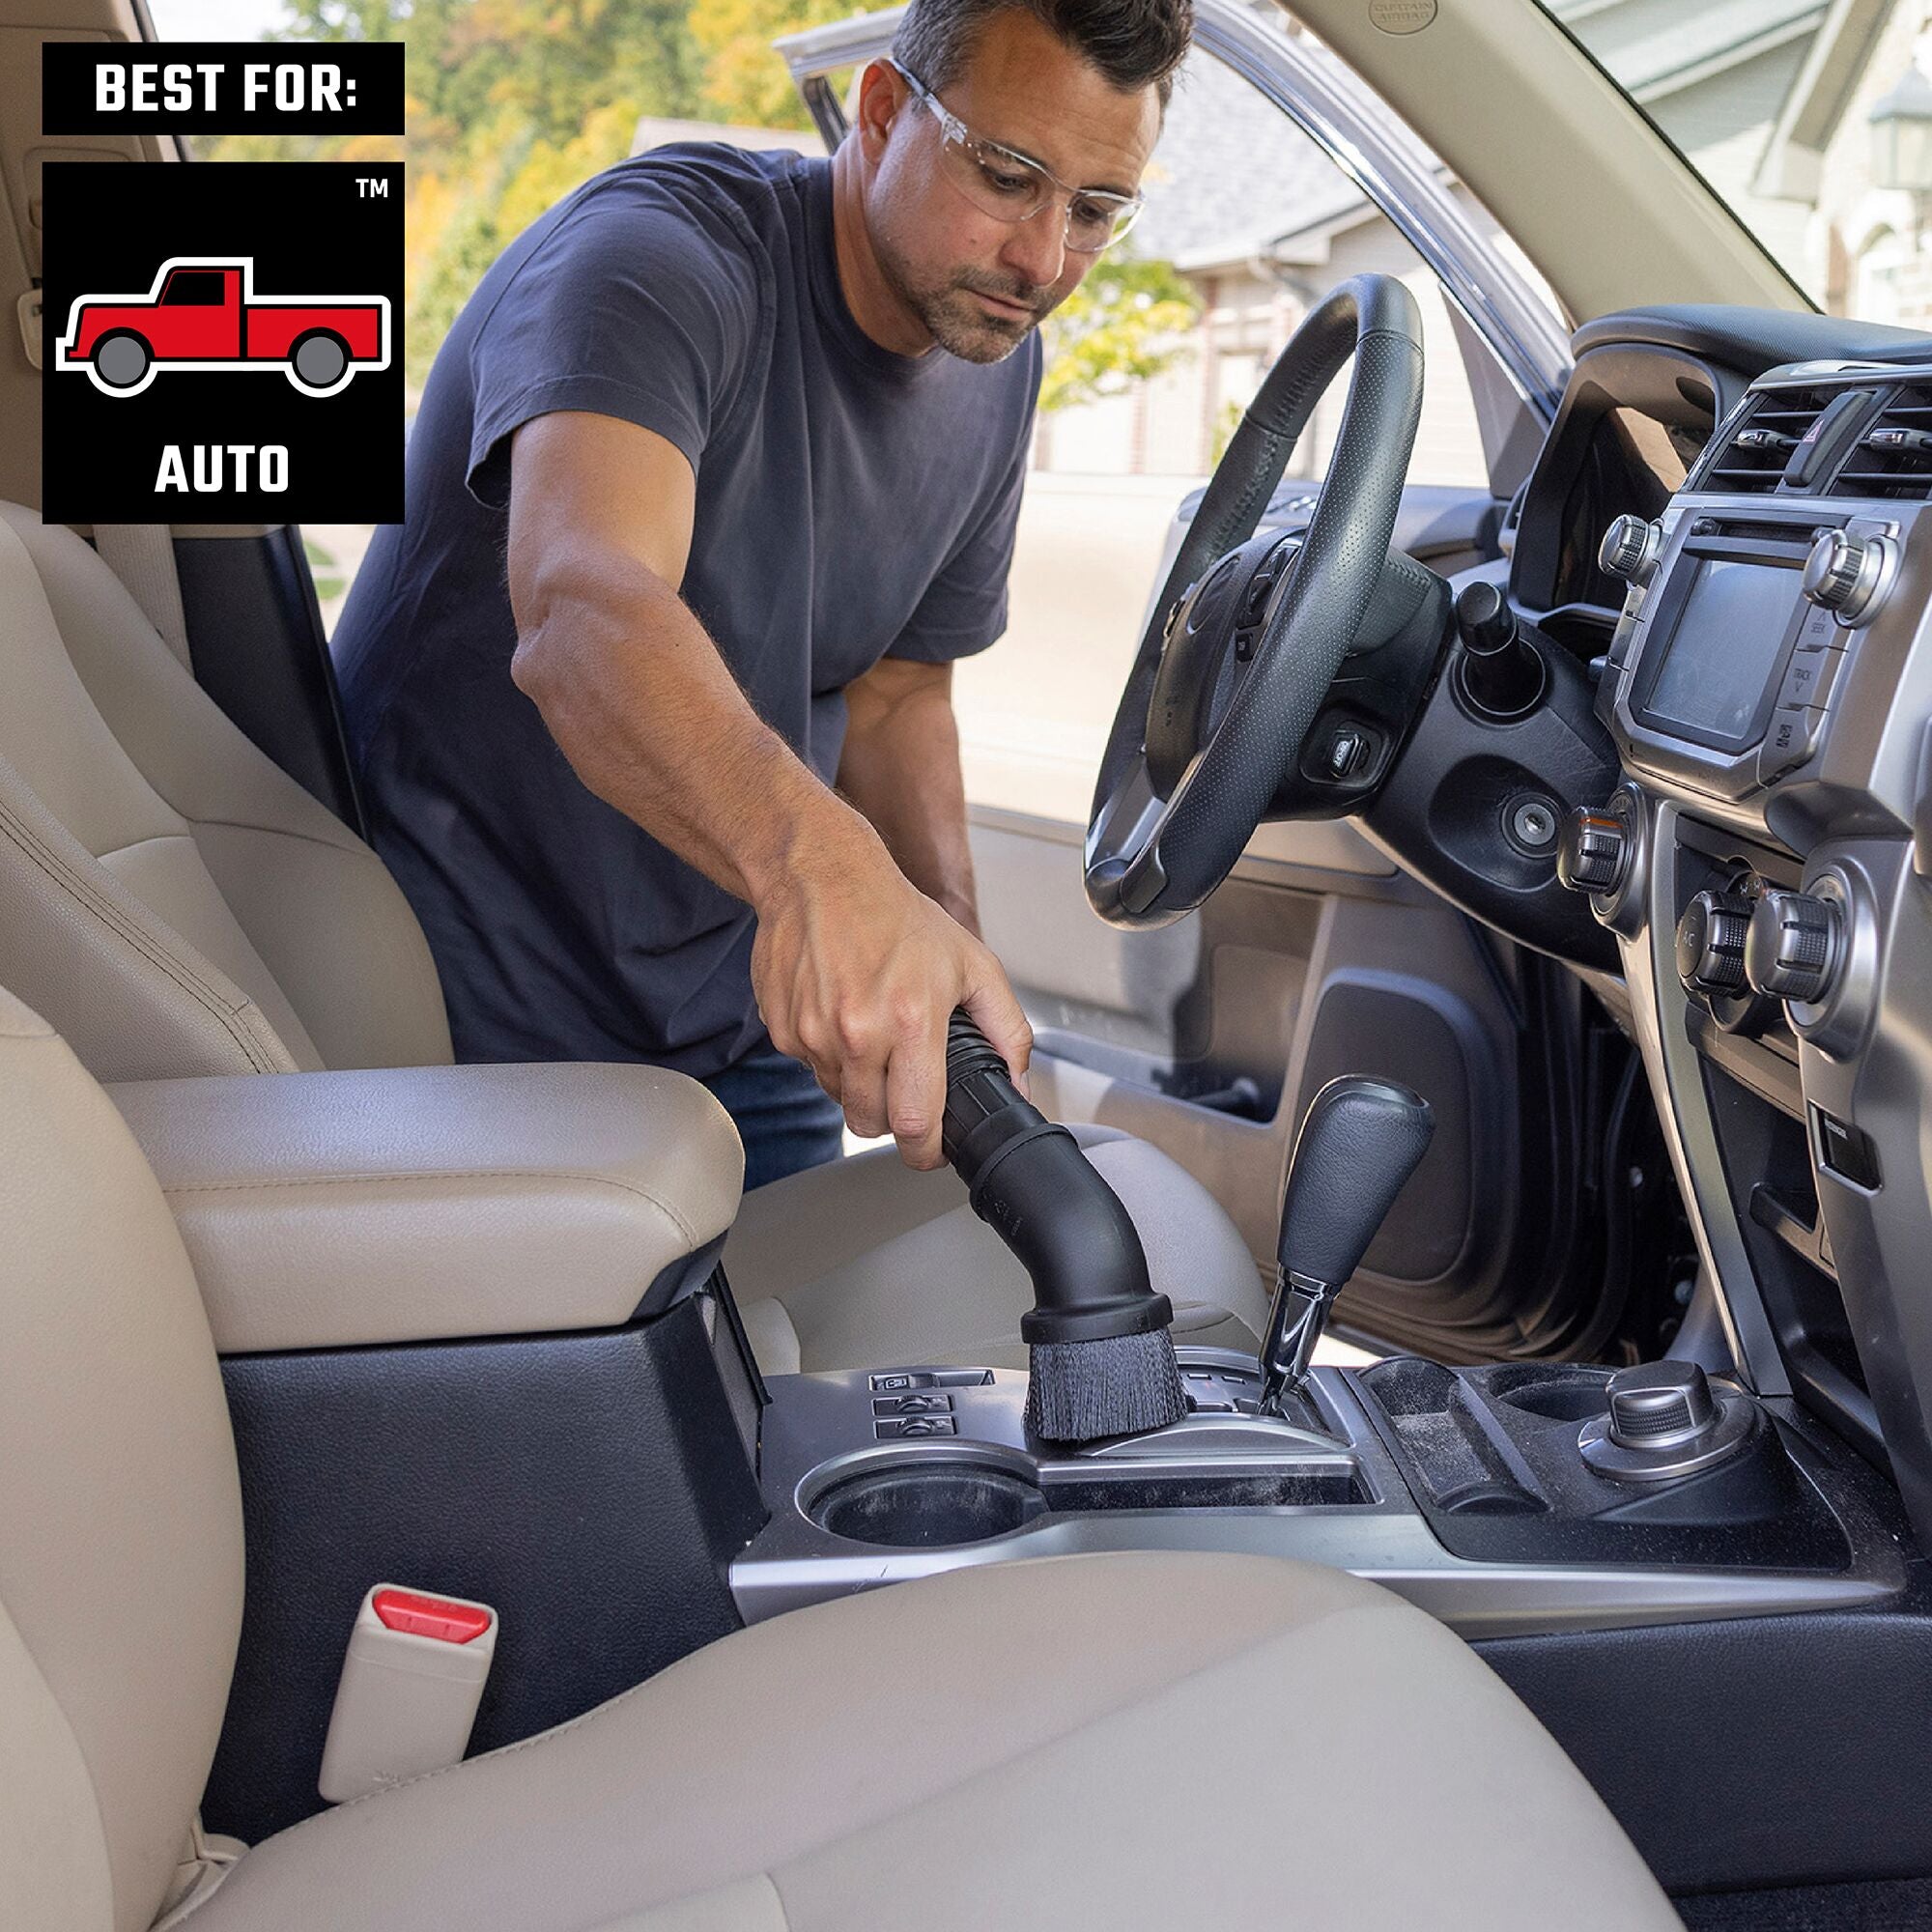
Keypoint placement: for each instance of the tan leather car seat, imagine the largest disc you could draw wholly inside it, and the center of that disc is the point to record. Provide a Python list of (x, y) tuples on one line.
[(1123, 1741), (178, 905)]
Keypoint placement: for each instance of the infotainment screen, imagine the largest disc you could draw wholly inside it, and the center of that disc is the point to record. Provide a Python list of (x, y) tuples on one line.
[(1723, 650)]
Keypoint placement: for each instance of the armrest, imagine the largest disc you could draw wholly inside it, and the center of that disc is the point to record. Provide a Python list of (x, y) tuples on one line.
[(405, 1203)]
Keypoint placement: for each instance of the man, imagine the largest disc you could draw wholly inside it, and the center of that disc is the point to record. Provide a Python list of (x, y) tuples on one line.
[(748, 436)]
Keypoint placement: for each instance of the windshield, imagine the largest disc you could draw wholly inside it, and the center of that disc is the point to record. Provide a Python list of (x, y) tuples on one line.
[(1772, 102)]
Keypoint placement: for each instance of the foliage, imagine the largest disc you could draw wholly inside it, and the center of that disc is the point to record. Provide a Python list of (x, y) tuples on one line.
[(744, 81), (1120, 326)]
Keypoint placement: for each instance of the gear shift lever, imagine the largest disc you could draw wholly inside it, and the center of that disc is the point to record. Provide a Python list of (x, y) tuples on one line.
[(1360, 1142)]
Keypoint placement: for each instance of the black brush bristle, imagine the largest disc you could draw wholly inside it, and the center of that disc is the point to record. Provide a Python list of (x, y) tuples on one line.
[(1120, 1386)]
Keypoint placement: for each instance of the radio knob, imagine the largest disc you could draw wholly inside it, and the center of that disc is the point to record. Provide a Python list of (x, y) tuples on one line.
[(1711, 942), (1842, 572), (1592, 850), (1791, 951), (1629, 547)]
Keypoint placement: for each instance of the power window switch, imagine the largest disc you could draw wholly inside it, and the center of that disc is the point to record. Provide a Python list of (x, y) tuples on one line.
[(901, 1379)]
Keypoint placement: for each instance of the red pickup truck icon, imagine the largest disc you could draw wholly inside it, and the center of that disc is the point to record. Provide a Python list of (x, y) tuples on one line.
[(203, 313)]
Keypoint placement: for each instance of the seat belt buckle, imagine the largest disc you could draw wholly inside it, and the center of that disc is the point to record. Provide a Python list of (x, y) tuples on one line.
[(411, 1681)]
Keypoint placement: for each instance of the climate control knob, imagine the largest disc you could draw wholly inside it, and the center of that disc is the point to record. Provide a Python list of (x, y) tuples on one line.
[(1592, 850), (1791, 951), (1711, 942), (1842, 572), (1629, 547)]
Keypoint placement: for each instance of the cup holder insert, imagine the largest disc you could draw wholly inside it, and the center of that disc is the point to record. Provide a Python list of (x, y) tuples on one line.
[(932, 1504), (1561, 1402), (908, 1506)]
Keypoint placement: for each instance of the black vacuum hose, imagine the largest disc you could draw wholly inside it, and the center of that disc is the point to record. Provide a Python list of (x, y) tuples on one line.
[(1030, 1182)]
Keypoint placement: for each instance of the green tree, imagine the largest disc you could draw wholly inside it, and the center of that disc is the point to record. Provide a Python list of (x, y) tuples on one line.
[(744, 80), (1122, 326)]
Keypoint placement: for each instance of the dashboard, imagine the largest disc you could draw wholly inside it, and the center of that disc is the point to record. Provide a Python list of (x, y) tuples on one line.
[(1742, 549)]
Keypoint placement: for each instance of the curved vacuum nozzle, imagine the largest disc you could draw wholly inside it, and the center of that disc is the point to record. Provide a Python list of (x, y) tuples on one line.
[(1028, 1181)]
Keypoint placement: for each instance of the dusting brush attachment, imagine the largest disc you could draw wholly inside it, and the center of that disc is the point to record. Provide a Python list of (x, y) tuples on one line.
[(1102, 1359)]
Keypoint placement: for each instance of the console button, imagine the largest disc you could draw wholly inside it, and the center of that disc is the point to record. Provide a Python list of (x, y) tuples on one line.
[(912, 1404), (1794, 736), (1810, 676), (1845, 1149), (1820, 631)]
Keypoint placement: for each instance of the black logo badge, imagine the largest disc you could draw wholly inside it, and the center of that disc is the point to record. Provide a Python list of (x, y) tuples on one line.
[(221, 343)]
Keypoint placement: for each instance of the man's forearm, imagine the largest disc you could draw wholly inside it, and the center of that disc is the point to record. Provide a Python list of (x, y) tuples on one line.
[(900, 767), (652, 721)]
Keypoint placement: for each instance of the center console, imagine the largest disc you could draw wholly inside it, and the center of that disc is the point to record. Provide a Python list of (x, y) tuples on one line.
[(1764, 866), (1468, 1491)]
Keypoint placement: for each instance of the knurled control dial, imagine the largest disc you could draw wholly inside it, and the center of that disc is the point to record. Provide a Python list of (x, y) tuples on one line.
[(1592, 850), (1711, 942), (1791, 951), (1629, 547), (1842, 572)]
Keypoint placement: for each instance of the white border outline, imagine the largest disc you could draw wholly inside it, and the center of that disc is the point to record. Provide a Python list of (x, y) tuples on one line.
[(152, 297)]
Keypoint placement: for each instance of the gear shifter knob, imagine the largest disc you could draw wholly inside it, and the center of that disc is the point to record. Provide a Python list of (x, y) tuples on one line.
[(1360, 1141)]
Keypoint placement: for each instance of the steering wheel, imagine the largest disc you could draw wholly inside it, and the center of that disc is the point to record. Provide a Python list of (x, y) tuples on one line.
[(1248, 634)]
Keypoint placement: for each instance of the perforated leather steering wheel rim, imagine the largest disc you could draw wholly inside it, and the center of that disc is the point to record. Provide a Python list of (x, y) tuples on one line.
[(1149, 859)]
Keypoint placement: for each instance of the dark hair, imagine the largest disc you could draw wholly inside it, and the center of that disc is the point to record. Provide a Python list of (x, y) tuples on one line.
[(1133, 43)]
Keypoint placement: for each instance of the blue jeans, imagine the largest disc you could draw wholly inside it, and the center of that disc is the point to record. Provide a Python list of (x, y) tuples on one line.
[(786, 1119)]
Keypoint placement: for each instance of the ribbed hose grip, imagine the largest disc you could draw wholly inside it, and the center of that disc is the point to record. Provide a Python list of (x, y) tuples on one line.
[(1029, 1181)]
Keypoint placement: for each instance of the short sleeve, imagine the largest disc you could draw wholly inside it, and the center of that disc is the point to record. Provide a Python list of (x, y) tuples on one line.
[(641, 303), (964, 609)]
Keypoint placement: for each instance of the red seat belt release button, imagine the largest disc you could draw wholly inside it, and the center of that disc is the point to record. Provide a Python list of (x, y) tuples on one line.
[(440, 1617), (412, 1682)]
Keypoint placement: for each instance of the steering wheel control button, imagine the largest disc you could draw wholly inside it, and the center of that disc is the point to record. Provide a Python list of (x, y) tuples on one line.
[(1592, 851), (1711, 942), (1665, 1421), (1792, 949), (1795, 733), (1630, 548), (1843, 573)]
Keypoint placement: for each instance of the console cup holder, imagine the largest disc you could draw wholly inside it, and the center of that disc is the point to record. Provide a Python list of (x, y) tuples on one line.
[(1560, 1402), (926, 1504)]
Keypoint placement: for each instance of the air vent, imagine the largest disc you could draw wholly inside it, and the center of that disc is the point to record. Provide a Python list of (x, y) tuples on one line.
[(1751, 460), (1893, 457)]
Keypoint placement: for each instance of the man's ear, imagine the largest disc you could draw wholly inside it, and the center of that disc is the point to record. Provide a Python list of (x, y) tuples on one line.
[(882, 95)]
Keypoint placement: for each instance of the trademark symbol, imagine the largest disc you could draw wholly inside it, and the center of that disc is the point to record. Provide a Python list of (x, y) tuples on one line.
[(367, 185)]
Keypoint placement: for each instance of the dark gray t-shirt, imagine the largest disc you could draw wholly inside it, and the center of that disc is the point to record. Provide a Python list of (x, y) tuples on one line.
[(851, 503)]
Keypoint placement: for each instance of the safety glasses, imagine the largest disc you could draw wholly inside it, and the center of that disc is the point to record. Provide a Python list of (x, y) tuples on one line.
[(1011, 186)]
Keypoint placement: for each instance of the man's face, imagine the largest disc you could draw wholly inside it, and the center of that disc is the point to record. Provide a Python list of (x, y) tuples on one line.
[(979, 284)]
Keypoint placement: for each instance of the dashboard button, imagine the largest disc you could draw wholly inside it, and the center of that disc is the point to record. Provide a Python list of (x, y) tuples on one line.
[(1592, 850), (1792, 737), (1810, 676), (1820, 631), (1710, 941), (1791, 951)]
